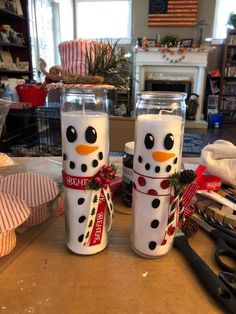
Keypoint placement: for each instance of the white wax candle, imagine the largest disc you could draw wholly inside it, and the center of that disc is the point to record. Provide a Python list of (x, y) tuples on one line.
[(85, 147), (158, 140)]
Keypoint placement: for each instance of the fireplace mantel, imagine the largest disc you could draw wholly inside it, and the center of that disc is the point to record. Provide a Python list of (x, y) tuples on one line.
[(174, 63)]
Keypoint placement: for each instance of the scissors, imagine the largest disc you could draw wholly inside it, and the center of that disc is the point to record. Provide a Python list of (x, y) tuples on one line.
[(220, 287), (225, 246)]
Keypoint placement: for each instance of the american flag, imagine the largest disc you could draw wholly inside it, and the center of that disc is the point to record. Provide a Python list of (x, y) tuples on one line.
[(172, 13)]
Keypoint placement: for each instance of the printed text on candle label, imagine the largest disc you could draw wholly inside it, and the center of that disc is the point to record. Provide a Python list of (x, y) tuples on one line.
[(98, 228)]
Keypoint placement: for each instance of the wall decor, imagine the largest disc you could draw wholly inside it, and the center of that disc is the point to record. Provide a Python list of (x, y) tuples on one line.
[(172, 13), (186, 42), (151, 42)]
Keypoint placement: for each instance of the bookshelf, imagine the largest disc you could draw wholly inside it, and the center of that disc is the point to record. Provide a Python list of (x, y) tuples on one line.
[(15, 50), (227, 101)]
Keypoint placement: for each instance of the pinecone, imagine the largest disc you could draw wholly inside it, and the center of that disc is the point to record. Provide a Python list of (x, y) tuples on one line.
[(190, 227), (187, 176)]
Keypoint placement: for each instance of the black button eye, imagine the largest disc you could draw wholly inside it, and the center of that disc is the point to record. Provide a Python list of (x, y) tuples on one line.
[(149, 141), (169, 141), (71, 134), (91, 135)]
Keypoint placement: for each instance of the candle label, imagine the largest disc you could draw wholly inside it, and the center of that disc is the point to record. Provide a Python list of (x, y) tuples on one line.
[(73, 182), (127, 174)]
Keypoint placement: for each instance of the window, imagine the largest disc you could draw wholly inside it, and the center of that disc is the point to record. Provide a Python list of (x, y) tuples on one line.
[(222, 11), (41, 29), (52, 24), (104, 19)]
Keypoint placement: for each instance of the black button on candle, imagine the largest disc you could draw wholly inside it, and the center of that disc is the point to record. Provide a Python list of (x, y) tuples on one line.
[(81, 237), (155, 203), (152, 245), (81, 201), (83, 168), (100, 156), (82, 219), (95, 163), (72, 165), (155, 223)]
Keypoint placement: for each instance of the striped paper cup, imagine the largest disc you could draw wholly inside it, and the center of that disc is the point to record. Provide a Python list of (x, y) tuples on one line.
[(13, 212), (36, 190)]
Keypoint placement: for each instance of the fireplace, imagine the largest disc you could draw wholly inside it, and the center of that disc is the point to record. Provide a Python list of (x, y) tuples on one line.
[(168, 85), (174, 69)]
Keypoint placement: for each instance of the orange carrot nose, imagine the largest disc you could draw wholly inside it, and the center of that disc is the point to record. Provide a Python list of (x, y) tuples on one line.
[(162, 156), (85, 149)]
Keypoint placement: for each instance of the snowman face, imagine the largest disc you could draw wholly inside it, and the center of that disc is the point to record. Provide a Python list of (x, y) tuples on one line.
[(157, 145), (84, 143)]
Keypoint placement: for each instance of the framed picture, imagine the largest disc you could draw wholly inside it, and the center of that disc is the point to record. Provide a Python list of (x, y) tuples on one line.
[(151, 42), (186, 42)]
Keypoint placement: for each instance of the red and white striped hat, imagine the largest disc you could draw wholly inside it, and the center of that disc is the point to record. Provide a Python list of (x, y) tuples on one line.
[(36, 190), (13, 212), (73, 56)]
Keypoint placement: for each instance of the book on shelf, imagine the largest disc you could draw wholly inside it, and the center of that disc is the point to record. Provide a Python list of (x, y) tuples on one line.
[(2, 4), (232, 39), (18, 7), (5, 57), (230, 71), (13, 6)]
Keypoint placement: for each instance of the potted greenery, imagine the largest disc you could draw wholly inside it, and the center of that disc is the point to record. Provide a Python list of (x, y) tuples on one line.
[(232, 19)]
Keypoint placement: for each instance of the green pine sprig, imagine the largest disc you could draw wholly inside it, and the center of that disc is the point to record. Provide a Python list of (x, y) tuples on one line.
[(106, 60)]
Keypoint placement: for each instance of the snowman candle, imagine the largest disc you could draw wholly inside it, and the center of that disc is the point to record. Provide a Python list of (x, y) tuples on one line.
[(85, 146), (158, 148)]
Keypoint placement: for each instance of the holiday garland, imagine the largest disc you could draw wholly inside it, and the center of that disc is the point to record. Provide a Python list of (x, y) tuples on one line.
[(174, 55)]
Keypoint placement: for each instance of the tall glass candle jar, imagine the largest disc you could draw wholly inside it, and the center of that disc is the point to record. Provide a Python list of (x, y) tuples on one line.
[(159, 128), (85, 148)]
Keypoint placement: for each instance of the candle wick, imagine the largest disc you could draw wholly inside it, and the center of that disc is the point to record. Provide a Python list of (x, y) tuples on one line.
[(165, 110)]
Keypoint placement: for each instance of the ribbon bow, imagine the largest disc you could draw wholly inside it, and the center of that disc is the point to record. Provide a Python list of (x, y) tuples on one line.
[(179, 204)]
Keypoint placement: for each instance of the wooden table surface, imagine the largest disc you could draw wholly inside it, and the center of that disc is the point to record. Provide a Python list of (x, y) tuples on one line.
[(42, 276)]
